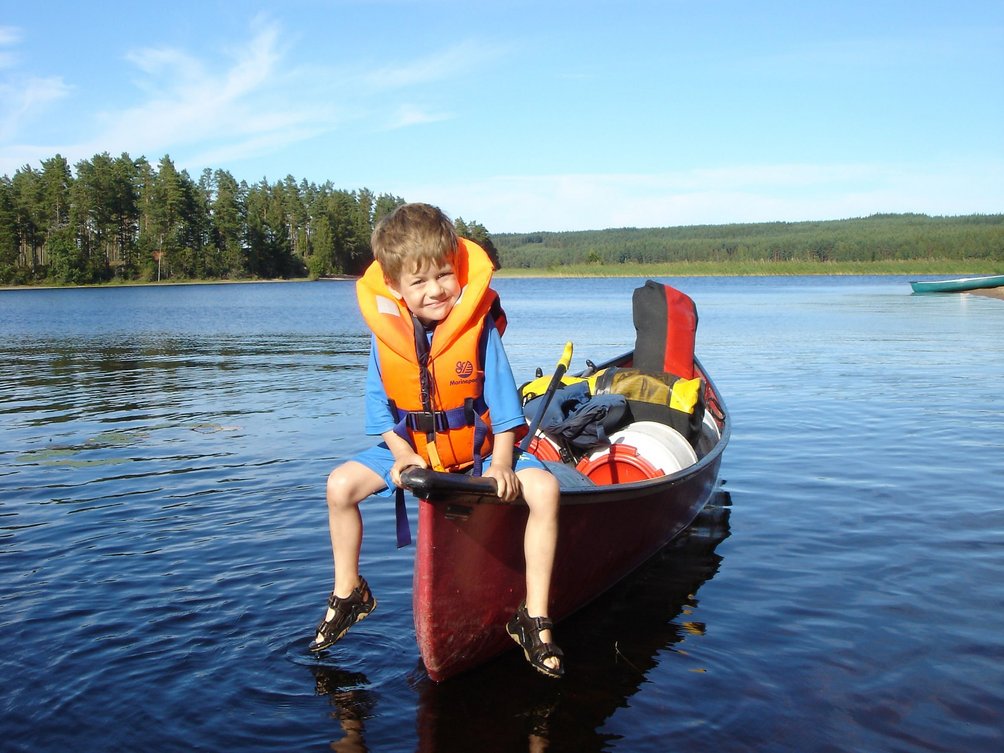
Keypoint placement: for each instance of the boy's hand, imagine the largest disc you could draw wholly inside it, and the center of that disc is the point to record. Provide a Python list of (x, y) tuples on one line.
[(405, 460), (508, 484)]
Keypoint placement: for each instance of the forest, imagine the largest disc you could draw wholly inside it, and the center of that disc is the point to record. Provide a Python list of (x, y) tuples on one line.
[(880, 237), (119, 219), (123, 219)]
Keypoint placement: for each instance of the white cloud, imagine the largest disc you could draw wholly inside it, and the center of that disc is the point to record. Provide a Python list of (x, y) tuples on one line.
[(247, 105), (411, 115), (744, 193), (458, 59), (186, 102), (24, 97), (252, 101), (242, 105), (9, 35)]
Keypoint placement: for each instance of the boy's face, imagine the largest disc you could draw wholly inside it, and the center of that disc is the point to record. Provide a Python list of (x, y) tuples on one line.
[(430, 292)]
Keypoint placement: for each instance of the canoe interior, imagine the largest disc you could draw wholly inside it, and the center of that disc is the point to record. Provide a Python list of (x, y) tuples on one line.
[(469, 573)]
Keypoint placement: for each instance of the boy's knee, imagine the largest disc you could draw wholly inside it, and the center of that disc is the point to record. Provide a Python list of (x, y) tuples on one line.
[(340, 489), (540, 488)]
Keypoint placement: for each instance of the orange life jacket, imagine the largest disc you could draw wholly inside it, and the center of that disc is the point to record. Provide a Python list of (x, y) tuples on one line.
[(449, 424)]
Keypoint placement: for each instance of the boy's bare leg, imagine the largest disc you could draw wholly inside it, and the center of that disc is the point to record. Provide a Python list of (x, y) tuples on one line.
[(540, 490), (347, 486)]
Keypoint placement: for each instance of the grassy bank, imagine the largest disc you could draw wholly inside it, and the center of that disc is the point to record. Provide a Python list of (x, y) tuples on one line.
[(905, 268), (908, 267)]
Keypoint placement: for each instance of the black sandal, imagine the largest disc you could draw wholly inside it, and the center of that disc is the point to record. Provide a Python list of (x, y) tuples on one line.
[(348, 611), (525, 630)]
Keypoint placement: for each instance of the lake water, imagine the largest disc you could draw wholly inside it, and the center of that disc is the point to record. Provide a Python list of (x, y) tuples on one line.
[(164, 553)]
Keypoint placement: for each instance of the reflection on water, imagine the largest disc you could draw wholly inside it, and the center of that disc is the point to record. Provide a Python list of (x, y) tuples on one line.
[(611, 645), (352, 702), (164, 554)]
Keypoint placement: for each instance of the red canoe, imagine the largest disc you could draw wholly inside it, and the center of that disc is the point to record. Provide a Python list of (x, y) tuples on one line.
[(469, 557)]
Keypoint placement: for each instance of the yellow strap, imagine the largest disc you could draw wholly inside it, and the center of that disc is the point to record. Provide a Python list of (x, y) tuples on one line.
[(434, 460)]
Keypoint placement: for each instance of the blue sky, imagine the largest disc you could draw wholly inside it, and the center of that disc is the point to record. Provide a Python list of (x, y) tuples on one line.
[(533, 115)]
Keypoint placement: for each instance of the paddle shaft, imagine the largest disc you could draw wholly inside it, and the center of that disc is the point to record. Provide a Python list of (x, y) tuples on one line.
[(566, 359)]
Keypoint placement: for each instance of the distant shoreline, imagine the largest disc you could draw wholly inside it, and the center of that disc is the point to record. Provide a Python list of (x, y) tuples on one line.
[(906, 268), (760, 268), (153, 284)]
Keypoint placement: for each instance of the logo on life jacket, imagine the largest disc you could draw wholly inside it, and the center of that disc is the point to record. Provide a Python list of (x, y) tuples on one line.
[(465, 369)]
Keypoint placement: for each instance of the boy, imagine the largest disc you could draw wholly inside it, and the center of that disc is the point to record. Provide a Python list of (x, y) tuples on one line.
[(427, 400)]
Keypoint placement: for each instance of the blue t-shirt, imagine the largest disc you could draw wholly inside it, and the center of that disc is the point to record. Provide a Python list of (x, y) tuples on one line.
[(501, 394)]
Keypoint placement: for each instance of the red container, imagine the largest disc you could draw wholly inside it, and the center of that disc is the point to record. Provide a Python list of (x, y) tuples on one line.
[(543, 448), (619, 464)]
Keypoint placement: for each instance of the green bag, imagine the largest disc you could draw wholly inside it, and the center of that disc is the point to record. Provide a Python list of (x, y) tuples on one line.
[(658, 396)]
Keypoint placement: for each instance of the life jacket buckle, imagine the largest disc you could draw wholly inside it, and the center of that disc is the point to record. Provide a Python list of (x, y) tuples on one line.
[(428, 422)]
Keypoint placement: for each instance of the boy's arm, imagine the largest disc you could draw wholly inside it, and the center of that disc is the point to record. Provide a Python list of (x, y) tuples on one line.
[(506, 411), (404, 455), (379, 421), (500, 390), (501, 467), (378, 417)]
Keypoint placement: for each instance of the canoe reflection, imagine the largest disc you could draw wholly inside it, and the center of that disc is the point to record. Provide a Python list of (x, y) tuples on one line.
[(609, 647)]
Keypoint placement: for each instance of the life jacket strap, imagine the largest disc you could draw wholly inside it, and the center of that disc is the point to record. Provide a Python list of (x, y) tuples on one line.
[(480, 434), (401, 517), (433, 422), (427, 421)]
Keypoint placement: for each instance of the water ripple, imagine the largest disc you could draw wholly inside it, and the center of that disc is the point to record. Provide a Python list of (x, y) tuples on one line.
[(164, 556)]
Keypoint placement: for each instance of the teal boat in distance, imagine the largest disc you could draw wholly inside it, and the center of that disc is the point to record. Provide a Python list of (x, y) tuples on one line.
[(958, 285)]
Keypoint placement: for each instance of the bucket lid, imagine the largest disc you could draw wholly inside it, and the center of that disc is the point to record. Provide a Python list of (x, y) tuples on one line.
[(618, 464), (663, 445)]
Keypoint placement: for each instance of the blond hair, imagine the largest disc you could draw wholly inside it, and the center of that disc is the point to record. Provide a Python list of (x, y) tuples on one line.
[(412, 237)]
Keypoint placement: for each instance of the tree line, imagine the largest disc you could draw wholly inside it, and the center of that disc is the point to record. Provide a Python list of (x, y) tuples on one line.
[(880, 237), (126, 219)]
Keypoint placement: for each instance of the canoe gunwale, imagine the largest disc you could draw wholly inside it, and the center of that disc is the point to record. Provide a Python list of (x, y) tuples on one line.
[(448, 488), (438, 488)]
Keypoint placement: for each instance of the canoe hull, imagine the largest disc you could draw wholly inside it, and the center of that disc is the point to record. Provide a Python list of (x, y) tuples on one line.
[(959, 285), (469, 575), (469, 566)]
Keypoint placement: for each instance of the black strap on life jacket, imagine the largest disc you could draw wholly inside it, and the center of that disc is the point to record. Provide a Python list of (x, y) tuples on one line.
[(424, 421)]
